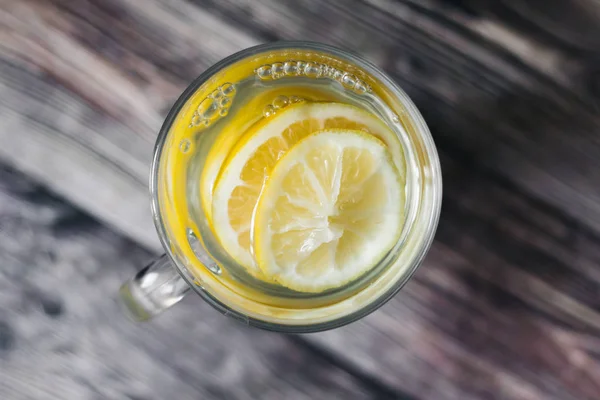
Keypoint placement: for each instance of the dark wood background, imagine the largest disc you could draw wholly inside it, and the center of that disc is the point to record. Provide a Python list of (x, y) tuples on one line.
[(507, 303)]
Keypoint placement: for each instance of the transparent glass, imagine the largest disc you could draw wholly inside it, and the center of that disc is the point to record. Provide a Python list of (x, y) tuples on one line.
[(194, 258)]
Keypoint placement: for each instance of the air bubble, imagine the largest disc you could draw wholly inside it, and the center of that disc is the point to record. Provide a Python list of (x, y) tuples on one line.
[(268, 110), (277, 70), (211, 107), (228, 89), (264, 72), (290, 68), (223, 112), (185, 145), (296, 99), (208, 108), (332, 73), (395, 119), (301, 65), (349, 81), (361, 87), (196, 119), (280, 101), (225, 102), (313, 70)]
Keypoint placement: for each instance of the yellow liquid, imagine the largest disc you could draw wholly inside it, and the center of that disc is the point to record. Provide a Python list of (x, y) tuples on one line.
[(210, 126)]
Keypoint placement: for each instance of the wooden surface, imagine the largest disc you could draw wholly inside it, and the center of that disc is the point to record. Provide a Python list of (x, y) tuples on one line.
[(62, 335), (507, 303)]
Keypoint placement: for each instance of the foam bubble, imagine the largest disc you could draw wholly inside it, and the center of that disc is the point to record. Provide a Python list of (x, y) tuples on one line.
[(214, 106), (280, 101), (314, 70), (268, 110), (185, 145)]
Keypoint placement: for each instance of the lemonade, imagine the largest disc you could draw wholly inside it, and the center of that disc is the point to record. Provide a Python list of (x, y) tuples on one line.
[(247, 170), (288, 185), (294, 187), (298, 176)]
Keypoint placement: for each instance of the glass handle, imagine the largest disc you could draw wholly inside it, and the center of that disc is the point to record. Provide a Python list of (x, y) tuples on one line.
[(153, 290)]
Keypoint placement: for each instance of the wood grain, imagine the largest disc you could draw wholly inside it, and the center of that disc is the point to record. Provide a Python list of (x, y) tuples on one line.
[(62, 335), (83, 93), (572, 25), (507, 304)]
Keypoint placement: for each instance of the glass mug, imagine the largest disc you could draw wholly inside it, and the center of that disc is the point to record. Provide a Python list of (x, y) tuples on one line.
[(194, 258)]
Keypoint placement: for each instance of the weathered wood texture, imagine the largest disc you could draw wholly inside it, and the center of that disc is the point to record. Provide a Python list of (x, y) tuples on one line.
[(507, 305), (62, 335)]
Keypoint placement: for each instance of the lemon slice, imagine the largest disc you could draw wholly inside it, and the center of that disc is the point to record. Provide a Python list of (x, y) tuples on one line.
[(240, 121), (331, 210), (250, 162)]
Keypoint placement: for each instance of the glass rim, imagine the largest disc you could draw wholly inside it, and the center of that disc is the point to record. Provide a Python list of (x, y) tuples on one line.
[(415, 117)]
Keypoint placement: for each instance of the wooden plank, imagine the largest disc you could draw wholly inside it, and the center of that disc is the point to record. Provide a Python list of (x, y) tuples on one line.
[(62, 335), (84, 94), (506, 304), (90, 160), (573, 24)]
